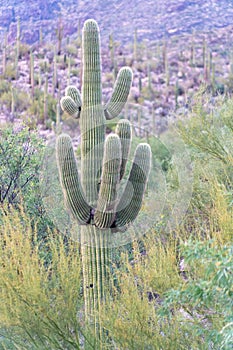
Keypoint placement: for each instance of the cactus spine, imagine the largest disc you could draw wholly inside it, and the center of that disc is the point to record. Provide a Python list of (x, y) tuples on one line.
[(93, 198)]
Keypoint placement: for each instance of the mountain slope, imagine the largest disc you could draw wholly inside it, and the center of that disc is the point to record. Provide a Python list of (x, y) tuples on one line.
[(153, 19)]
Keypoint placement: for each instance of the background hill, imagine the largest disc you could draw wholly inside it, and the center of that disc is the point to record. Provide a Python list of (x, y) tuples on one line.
[(173, 47), (153, 19)]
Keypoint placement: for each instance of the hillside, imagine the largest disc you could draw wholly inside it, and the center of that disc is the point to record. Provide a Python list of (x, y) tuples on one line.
[(190, 44), (153, 19)]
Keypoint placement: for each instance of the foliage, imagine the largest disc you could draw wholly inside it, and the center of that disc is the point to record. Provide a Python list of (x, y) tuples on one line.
[(39, 302), (20, 162), (21, 154), (209, 130), (21, 100), (5, 86), (37, 107), (10, 72), (207, 297)]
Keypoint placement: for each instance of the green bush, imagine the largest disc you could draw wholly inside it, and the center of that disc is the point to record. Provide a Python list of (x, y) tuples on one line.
[(209, 131), (205, 302), (10, 72), (36, 108), (39, 301), (21, 100), (5, 86), (21, 154)]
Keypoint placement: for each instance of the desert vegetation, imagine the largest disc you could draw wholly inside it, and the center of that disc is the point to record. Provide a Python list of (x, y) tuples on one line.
[(170, 285)]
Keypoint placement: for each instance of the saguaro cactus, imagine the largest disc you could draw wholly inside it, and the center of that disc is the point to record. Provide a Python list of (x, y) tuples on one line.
[(17, 48), (32, 74), (93, 199)]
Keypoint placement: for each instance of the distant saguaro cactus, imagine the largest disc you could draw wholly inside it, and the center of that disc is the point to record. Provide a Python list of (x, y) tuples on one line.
[(59, 33), (32, 74), (93, 199), (17, 48), (45, 99), (57, 126), (4, 54)]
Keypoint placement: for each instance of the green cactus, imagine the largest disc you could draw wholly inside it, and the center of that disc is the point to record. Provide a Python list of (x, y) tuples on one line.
[(39, 78), (69, 70), (93, 198), (55, 80), (45, 99), (135, 45), (192, 51), (40, 36), (4, 55), (57, 126), (59, 34), (32, 74), (17, 48), (13, 97)]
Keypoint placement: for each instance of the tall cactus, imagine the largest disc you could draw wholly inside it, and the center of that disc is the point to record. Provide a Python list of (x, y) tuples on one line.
[(17, 48), (93, 197), (32, 74), (4, 55)]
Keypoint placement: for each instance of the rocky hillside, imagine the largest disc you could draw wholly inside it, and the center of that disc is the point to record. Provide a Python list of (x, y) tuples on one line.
[(153, 19), (180, 46)]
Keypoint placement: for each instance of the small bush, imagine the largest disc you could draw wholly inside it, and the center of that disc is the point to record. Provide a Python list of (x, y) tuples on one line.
[(39, 302), (20, 162), (21, 100), (205, 302)]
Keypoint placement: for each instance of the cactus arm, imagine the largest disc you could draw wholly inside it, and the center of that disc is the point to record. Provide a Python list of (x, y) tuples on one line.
[(105, 211), (92, 89), (69, 179), (131, 199), (71, 102), (120, 93), (124, 131), (74, 93)]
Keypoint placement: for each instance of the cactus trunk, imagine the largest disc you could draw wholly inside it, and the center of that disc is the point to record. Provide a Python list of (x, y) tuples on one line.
[(96, 261)]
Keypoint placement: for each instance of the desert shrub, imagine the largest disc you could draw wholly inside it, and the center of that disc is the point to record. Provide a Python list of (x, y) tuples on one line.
[(75, 72), (20, 152), (5, 86), (21, 100), (24, 50), (205, 302), (71, 49), (10, 72), (208, 135), (21, 155), (146, 312), (131, 318), (40, 305), (209, 129), (37, 107)]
